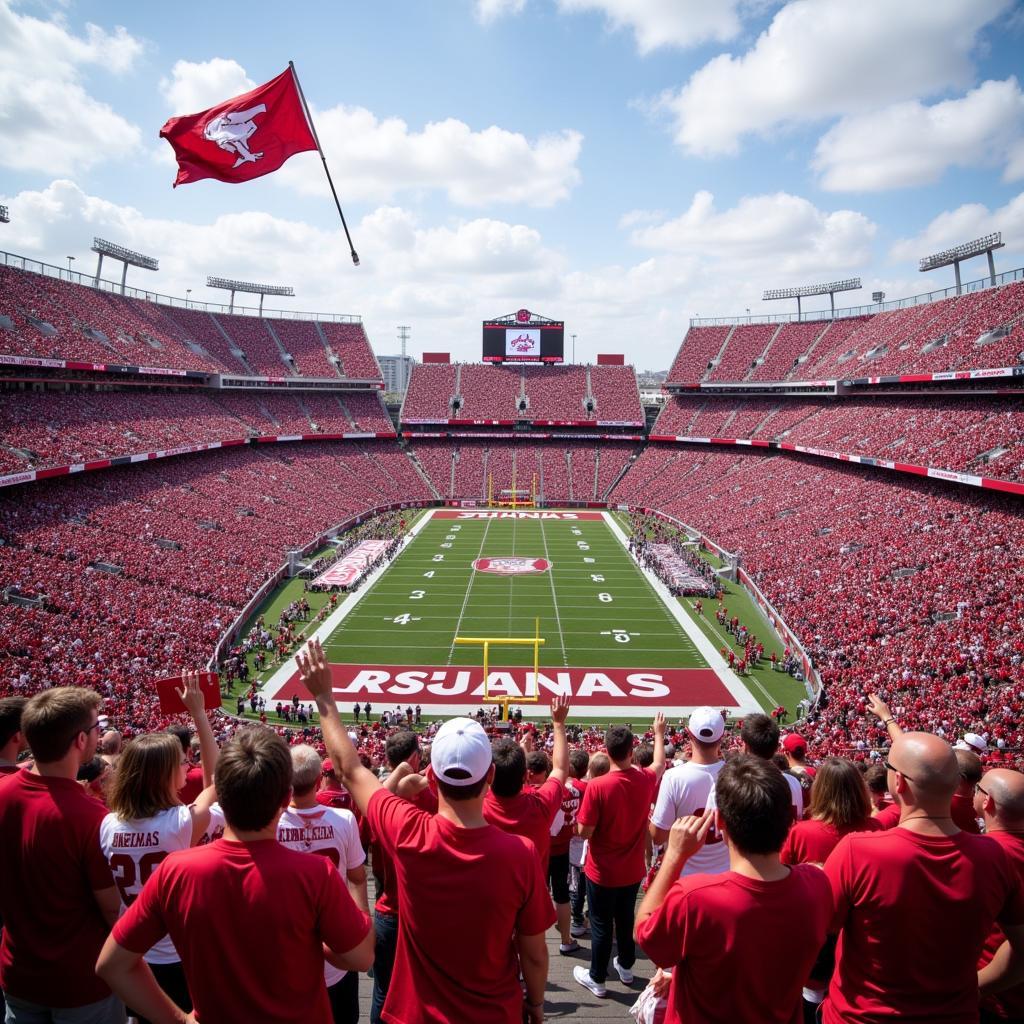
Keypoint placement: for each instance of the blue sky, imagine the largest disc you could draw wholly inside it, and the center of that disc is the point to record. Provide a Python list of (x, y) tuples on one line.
[(619, 164)]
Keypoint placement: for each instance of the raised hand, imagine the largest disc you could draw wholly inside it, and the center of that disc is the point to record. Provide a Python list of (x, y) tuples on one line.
[(878, 707), (688, 834), (560, 710), (191, 696), (659, 724), (314, 672)]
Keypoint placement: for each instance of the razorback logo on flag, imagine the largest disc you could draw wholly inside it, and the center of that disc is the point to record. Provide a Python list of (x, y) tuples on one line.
[(242, 138)]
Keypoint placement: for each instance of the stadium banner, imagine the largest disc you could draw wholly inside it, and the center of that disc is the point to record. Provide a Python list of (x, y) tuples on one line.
[(353, 566), (451, 688), (52, 364), (495, 514)]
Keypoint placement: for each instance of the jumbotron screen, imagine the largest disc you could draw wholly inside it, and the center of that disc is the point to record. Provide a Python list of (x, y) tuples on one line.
[(526, 340)]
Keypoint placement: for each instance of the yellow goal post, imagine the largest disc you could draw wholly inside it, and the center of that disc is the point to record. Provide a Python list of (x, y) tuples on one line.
[(535, 641)]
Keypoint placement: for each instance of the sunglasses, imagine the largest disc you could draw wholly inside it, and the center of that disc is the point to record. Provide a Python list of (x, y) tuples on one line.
[(893, 768)]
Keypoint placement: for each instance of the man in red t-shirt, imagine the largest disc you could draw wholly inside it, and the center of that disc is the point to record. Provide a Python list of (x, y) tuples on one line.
[(472, 903), (530, 812), (57, 895), (962, 807), (914, 904), (613, 818), (999, 800), (241, 907), (715, 931)]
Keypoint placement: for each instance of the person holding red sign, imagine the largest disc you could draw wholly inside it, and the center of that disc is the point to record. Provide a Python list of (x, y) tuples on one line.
[(148, 821)]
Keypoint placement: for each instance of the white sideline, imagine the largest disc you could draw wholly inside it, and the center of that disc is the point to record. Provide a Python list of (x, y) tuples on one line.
[(746, 701), (330, 624)]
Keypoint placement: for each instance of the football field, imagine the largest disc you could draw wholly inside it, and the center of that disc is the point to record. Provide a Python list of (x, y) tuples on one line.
[(613, 638)]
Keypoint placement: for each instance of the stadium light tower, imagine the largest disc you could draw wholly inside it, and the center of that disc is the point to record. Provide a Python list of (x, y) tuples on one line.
[(5, 217), (849, 285), (985, 245), (122, 255), (246, 286)]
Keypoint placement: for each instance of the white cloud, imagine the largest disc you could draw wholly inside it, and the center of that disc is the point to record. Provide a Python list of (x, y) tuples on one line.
[(195, 86), (913, 144), (780, 233), (657, 23), (964, 224), (491, 10), (374, 159), (49, 121), (827, 58)]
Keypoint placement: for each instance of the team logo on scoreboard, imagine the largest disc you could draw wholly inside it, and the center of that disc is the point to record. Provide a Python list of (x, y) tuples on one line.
[(511, 565), (523, 316)]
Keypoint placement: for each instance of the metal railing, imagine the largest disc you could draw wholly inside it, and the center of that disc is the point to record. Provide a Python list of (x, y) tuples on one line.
[(868, 310), (8, 259)]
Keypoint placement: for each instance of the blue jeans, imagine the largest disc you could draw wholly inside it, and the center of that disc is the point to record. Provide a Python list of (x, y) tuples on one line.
[(106, 1011), (612, 912), (386, 928)]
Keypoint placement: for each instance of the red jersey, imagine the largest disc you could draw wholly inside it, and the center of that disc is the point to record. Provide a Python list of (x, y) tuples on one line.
[(1010, 1003), (384, 869), (616, 805), (811, 841), (913, 913), (240, 911), (529, 813), (565, 820), (463, 893), (50, 864), (341, 800), (711, 930)]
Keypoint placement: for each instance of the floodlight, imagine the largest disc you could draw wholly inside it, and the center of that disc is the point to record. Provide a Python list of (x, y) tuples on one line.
[(248, 286), (4, 215)]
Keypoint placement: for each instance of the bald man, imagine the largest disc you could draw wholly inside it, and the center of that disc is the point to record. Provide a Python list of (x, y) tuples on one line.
[(915, 904), (999, 802)]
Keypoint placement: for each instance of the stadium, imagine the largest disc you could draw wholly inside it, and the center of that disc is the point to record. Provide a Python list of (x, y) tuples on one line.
[(810, 525)]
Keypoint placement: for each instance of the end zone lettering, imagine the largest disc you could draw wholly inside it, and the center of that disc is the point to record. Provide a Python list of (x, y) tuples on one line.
[(456, 684), (448, 513)]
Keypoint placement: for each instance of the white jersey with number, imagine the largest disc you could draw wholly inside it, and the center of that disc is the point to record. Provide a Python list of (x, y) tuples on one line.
[(134, 848), (690, 789), (329, 832)]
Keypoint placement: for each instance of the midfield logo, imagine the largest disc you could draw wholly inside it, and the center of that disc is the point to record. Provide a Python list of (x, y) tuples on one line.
[(511, 565)]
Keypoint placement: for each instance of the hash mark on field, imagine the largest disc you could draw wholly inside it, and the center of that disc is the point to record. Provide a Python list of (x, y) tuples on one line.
[(469, 589)]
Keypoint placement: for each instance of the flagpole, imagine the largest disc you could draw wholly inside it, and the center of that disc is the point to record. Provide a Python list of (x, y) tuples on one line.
[(316, 139)]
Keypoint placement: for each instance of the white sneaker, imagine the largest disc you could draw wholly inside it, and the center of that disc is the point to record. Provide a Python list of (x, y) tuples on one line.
[(577, 930), (625, 975), (582, 975)]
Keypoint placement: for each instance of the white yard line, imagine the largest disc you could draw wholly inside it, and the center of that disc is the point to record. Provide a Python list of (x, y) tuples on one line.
[(554, 596), (469, 588), (744, 698), (331, 623)]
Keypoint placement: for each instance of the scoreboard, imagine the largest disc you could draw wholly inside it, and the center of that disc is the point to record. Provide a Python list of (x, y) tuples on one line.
[(523, 337)]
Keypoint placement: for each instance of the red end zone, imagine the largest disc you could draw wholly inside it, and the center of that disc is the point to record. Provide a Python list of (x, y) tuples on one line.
[(455, 688), (451, 513)]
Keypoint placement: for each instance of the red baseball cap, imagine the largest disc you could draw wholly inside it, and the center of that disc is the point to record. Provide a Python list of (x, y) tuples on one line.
[(794, 743)]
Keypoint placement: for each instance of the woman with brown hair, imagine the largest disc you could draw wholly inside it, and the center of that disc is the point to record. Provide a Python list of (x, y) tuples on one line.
[(840, 803), (148, 820)]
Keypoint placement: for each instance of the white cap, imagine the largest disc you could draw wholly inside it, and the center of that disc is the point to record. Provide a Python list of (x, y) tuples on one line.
[(461, 745), (972, 742), (706, 724)]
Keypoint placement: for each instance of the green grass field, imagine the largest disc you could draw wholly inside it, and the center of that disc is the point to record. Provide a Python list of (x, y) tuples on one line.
[(601, 612)]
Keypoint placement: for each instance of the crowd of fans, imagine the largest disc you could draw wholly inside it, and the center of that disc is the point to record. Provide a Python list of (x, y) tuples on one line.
[(950, 334), (978, 435), (182, 877), (50, 428), (57, 319), (568, 393), (911, 588)]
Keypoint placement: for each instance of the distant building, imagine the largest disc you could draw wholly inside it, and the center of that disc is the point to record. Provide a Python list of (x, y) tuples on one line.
[(396, 370)]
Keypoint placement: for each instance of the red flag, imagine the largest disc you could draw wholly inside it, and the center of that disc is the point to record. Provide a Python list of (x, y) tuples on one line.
[(243, 138)]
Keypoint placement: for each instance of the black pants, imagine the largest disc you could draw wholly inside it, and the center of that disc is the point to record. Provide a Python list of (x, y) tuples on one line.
[(612, 913), (344, 997)]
